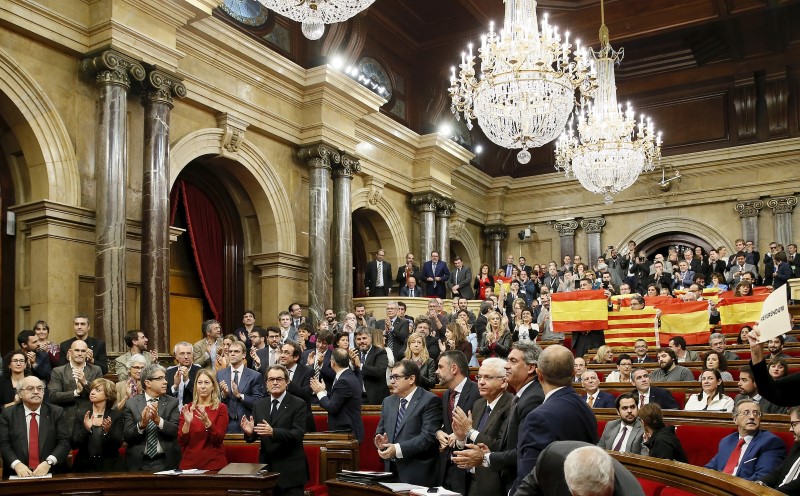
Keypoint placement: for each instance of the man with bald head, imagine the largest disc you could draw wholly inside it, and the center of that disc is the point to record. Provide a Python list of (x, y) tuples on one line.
[(69, 384)]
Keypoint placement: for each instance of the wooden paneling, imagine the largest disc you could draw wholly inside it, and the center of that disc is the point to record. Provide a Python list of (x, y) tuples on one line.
[(699, 119)]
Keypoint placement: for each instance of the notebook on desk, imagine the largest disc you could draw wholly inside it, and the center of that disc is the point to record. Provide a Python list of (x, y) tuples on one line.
[(243, 469)]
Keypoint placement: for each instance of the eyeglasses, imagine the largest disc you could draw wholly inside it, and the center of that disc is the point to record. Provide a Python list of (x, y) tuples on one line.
[(137, 367), (395, 378), (793, 423), (747, 413), (30, 389), (276, 380), (488, 377), (18, 360), (160, 378)]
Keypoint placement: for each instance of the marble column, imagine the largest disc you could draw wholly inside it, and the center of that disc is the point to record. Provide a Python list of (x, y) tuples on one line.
[(496, 234), (426, 205), (342, 235), (444, 209), (113, 72), (319, 158), (748, 211), (593, 227), (159, 90), (782, 209), (566, 232)]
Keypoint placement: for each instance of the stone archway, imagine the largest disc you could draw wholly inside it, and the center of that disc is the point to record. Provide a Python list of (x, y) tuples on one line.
[(693, 227), (389, 227), (468, 249)]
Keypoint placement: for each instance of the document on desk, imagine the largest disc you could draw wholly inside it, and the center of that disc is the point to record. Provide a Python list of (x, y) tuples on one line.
[(191, 471), (434, 490), (401, 487), (17, 477)]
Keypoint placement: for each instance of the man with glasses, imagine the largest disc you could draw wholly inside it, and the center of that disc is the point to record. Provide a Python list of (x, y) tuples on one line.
[(269, 355), (343, 403), (651, 394), (750, 453), (20, 426), (69, 384), (180, 377), (239, 387), (640, 347), (785, 477)]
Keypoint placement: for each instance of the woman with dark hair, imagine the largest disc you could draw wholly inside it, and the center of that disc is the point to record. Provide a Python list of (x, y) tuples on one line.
[(742, 338), (42, 331), (482, 281), (456, 339), (97, 433), (14, 370), (659, 438), (652, 290), (744, 288), (717, 282), (778, 367), (712, 398), (714, 360)]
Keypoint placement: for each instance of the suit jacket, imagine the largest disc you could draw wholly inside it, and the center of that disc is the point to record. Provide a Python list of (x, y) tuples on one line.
[(775, 478), (563, 417), (53, 436), (764, 454), (548, 476), (42, 367), (201, 357), (98, 347), (283, 451), (735, 268), (416, 436), (603, 400), (343, 403), (371, 276), (188, 389), (634, 443), (399, 336), (416, 292), (326, 373), (782, 392), (782, 275), (300, 386), (61, 389), (486, 480), (373, 375), (435, 288), (263, 356), (455, 478), (251, 385), (107, 459), (661, 396), (463, 281), (647, 359), (167, 436), (401, 275)]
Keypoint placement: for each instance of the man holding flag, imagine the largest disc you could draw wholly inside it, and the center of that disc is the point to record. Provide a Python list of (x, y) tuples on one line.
[(584, 313)]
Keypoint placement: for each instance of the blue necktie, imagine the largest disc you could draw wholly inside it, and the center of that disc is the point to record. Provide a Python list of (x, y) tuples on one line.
[(400, 415), (484, 418)]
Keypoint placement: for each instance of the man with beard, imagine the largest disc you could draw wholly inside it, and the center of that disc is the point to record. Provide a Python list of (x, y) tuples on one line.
[(678, 345), (749, 391), (362, 319), (668, 368), (136, 342), (270, 354), (775, 346), (625, 433), (784, 478), (373, 363)]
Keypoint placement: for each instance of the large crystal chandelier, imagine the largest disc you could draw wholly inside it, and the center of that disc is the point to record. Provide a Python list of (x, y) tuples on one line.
[(526, 89), (609, 150), (314, 14)]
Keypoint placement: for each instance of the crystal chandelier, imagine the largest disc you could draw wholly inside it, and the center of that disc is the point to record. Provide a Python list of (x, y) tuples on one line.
[(314, 14), (526, 90), (609, 150)]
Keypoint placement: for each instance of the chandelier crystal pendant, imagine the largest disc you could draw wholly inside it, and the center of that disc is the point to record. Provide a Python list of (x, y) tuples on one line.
[(314, 14), (609, 150), (525, 91)]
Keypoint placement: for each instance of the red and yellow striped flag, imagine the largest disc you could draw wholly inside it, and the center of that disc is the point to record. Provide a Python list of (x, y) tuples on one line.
[(579, 311), (659, 301), (501, 280), (622, 301), (739, 311), (688, 319), (626, 326)]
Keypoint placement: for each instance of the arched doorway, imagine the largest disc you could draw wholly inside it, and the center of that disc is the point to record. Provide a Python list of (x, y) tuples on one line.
[(680, 241), (7, 273), (371, 233)]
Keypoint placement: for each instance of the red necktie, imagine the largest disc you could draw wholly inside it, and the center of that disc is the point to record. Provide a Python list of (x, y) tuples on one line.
[(451, 405), (33, 443), (733, 461), (641, 400)]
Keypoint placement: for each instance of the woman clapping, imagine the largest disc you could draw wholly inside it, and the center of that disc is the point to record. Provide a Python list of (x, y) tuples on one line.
[(202, 426)]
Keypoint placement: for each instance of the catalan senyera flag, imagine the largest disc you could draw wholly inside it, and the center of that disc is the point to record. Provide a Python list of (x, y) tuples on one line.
[(626, 326), (579, 311), (688, 319), (738, 311)]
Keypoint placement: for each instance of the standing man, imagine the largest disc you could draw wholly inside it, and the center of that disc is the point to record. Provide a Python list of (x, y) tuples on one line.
[(296, 315), (395, 330), (180, 377), (205, 351), (406, 434), (239, 386), (378, 276), (408, 270), (248, 324), (258, 341), (151, 425), (287, 328), (362, 319), (277, 421), (269, 355), (460, 282), (97, 347), (625, 433), (374, 362), (299, 379), (435, 273), (136, 342), (583, 341), (69, 384), (344, 403), (37, 361), (509, 267), (24, 424)]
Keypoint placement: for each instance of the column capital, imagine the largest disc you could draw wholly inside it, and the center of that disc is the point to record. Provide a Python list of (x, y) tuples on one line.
[(346, 167), (111, 67), (782, 204), (160, 86), (445, 207), (496, 232), (426, 202), (593, 225), (319, 155), (565, 227), (749, 208)]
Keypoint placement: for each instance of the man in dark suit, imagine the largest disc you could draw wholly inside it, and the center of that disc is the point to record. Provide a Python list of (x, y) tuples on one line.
[(373, 363), (563, 416), (270, 354), (408, 270), (783, 272), (52, 436), (239, 386), (69, 384), (343, 404), (593, 396), (151, 425), (625, 433), (640, 347), (435, 274), (299, 379), (406, 434), (278, 421), (319, 358), (785, 477), (37, 361), (481, 321), (411, 290), (395, 330), (180, 377), (97, 347), (460, 281), (651, 394), (378, 276), (461, 394)]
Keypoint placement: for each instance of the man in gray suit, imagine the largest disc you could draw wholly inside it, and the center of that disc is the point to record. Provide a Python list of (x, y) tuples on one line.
[(738, 269), (625, 433), (460, 282), (204, 352), (69, 384)]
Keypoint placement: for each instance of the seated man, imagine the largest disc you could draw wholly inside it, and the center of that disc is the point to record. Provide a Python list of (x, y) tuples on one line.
[(625, 433), (784, 478), (750, 453), (775, 346), (717, 343), (594, 397), (640, 347), (651, 394), (580, 368), (678, 345), (668, 369), (749, 390)]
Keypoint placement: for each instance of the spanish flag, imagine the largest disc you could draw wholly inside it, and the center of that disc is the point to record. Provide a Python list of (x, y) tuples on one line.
[(688, 319), (579, 311), (739, 311), (622, 301), (499, 281), (626, 326), (659, 301)]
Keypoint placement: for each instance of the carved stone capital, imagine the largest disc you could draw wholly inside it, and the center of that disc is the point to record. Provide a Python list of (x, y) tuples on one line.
[(445, 207), (319, 156), (782, 204), (161, 86), (346, 167), (374, 191), (749, 208), (565, 227), (496, 232), (233, 131), (426, 202), (457, 226), (113, 68), (593, 225)]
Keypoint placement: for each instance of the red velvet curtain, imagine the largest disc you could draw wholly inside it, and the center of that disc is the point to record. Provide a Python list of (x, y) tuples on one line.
[(205, 236)]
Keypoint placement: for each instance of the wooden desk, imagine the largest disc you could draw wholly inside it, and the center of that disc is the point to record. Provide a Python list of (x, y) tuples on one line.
[(341, 488), (209, 484)]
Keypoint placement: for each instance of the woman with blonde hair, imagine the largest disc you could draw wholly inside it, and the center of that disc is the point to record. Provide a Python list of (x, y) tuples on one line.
[(222, 358), (496, 338), (97, 432), (417, 352), (202, 426), (605, 354), (379, 341)]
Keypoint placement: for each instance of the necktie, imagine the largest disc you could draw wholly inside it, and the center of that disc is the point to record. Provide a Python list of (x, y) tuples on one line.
[(379, 282), (451, 405), (180, 394), (641, 400), (508, 270), (434, 264), (274, 412), (733, 461), (400, 414), (33, 443), (621, 439), (363, 358), (513, 419), (271, 358), (151, 437), (484, 418), (236, 377), (457, 275), (792, 474), (291, 375), (590, 401)]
